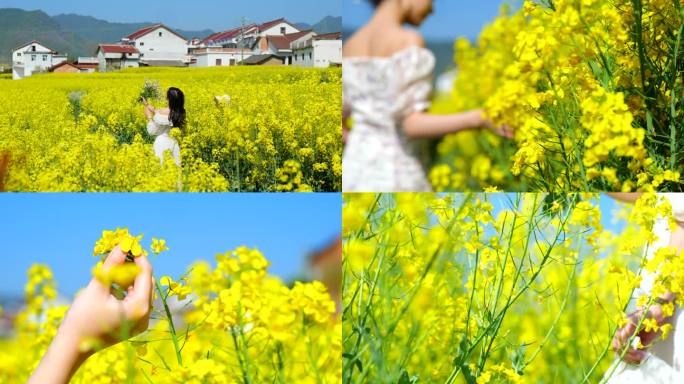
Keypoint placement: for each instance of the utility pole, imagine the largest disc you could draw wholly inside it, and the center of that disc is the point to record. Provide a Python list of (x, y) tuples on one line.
[(242, 39)]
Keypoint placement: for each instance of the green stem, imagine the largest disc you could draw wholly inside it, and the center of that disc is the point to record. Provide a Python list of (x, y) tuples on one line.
[(169, 319)]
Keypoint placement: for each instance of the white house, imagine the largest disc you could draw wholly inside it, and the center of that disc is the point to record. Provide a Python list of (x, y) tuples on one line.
[(281, 45), (277, 27), (219, 57), (33, 57), (159, 45), (320, 51), (226, 38), (247, 35), (117, 56), (87, 64)]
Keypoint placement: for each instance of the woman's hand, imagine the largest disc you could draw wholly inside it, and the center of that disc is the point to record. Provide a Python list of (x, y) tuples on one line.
[(97, 317), (501, 130), (148, 108), (622, 337), (97, 314)]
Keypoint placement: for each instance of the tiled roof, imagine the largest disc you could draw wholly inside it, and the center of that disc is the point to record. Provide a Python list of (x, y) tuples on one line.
[(232, 33), (144, 31), (164, 63), (258, 59), (329, 36), (269, 24), (118, 48), (63, 63), (284, 41), (86, 65), (35, 42), (225, 35), (204, 51)]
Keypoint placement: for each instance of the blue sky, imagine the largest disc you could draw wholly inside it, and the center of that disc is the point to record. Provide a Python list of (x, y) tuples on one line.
[(189, 15), (452, 18), (61, 229), (607, 204)]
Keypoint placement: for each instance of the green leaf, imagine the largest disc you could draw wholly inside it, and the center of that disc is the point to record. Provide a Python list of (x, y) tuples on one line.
[(405, 379), (518, 359)]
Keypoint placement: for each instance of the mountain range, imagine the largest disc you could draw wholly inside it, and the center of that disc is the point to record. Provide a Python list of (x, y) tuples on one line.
[(79, 35)]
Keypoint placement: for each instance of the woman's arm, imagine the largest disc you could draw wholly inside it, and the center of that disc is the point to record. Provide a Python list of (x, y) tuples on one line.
[(96, 315), (148, 109), (421, 125), (625, 197)]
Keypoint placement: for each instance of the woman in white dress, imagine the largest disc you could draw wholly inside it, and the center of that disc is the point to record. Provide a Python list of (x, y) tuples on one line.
[(664, 360), (387, 82), (160, 122)]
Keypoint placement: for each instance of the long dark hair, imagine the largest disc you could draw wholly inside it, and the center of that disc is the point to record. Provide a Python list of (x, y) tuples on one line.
[(176, 100)]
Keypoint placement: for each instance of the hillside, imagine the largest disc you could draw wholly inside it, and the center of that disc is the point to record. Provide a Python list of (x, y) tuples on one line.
[(19, 27), (104, 31), (73, 34), (329, 24), (79, 35)]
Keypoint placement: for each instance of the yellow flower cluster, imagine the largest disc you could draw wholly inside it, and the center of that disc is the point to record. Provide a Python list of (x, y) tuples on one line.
[(97, 140), (228, 324), (123, 275), (110, 239), (486, 288), (591, 89)]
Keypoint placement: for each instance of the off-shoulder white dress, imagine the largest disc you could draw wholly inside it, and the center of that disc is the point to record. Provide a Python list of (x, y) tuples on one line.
[(666, 363), (160, 126), (380, 93)]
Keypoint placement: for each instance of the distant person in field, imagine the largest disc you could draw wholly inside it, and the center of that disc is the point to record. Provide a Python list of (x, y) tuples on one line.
[(387, 83), (160, 122)]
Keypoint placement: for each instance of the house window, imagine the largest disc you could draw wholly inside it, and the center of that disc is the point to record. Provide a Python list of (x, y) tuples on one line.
[(232, 61), (18, 54), (44, 57), (160, 34), (33, 48), (142, 44), (310, 55), (219, 62), (283, 30), (33, 57)]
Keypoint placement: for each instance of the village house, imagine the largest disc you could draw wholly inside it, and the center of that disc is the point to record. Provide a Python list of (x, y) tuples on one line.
[(277, 42), (66, 67), (33, 57), (159, 46), (320, 51), (270, 41), (87, 64), (281, 45), (264, 59), (218, 56), (246, 36), (117, 56)]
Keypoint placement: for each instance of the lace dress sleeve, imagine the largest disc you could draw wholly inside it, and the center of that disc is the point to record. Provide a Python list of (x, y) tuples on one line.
[(158, 125), (417, 68)]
